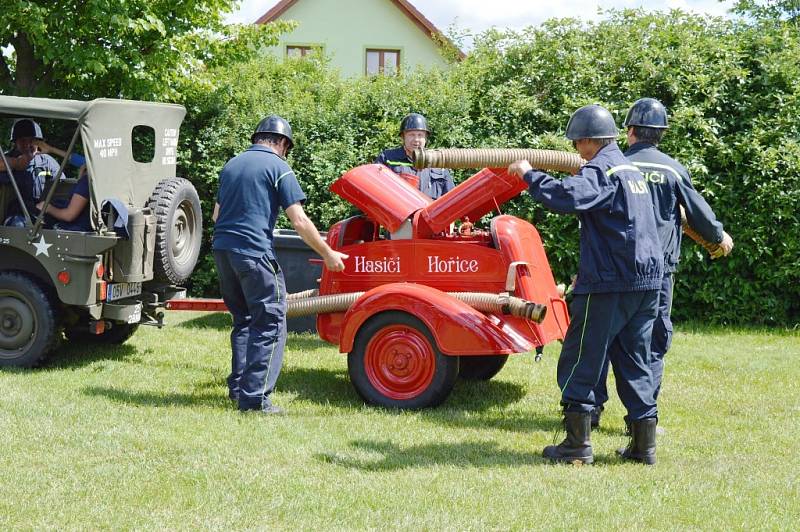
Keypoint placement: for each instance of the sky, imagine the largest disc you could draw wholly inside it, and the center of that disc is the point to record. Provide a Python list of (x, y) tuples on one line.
[(477, 15)]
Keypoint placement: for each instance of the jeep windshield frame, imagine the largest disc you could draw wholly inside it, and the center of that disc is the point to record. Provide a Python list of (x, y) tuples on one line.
[(106, 128)]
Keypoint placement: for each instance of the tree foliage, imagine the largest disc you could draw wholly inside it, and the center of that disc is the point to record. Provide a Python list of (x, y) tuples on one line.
[(767, 10), (732, 89), (142, 49)]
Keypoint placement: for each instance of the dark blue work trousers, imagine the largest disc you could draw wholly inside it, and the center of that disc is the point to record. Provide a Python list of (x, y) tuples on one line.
[(662, 340), (255, 293), (614, 326)]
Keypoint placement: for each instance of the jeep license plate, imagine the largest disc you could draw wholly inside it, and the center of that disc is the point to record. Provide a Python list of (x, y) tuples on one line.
[(122, 290), (136, 317)]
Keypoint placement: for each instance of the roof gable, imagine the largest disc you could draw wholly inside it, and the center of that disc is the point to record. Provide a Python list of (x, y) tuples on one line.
[(425, 25)]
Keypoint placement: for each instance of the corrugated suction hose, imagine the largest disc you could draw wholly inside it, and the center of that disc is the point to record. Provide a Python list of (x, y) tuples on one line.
[(313, 292), (300, 304), (560, 161), (694, 235)]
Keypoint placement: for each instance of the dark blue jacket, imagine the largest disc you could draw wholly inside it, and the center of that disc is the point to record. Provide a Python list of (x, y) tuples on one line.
[(620, 251), (670, 188), (433, 182), (252, 186), (31, 181)]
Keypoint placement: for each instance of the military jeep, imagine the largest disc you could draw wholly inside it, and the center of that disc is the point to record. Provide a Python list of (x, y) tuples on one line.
[(98, 285)]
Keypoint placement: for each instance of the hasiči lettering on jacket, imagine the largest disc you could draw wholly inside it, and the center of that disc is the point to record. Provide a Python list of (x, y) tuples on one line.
[(638, 187), (436, 264)]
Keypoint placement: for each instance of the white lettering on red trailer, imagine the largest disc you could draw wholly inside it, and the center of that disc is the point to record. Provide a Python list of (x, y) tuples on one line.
[(381, 265), (452, 265)]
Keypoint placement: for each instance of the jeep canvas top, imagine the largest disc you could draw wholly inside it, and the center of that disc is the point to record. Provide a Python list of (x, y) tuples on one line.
[(97, 285)]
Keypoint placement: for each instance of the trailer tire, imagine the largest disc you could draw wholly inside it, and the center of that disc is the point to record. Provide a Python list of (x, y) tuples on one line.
[(179, 229), (117, 335), (29, 329), (395, 363), (481, 368)]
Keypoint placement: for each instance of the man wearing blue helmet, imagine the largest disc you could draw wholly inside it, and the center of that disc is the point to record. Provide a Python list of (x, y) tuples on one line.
[(671, 191), (433, 182), (30, 168), (253, 186), (616, 293)]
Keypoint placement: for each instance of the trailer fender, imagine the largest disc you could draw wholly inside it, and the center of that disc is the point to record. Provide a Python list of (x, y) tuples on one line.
[(457, 328)]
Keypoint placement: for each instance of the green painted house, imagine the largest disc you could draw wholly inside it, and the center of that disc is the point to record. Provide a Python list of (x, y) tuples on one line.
[(359, 36)]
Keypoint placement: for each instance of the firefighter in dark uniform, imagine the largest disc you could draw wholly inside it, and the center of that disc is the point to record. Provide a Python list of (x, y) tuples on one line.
[(433, 182), (252, 187), (615, 298), (670, 189), (31, 168)]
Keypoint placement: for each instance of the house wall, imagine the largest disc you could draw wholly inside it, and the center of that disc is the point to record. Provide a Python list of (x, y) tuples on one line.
[(346, 28)]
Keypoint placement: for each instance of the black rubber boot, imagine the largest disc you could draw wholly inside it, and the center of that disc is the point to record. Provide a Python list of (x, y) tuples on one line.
[(577, 446), (642, 447)]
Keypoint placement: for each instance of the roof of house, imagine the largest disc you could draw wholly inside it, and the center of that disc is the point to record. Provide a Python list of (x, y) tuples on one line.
[(427, 27)]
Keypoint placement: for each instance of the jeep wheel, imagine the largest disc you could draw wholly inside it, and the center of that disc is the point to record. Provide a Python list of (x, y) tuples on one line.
[(179, 229), (118, 334), (395, 363), (28, 325), (481, 368)]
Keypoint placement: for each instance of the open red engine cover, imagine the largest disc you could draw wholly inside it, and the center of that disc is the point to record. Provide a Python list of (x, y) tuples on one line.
[(475, 261), (383, 195), (478, 195)]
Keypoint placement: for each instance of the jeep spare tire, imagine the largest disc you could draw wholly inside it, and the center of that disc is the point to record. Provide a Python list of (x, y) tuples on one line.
[(179, 229)]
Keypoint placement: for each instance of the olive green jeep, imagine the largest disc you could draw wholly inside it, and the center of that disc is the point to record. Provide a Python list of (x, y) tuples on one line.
[(98, 285)]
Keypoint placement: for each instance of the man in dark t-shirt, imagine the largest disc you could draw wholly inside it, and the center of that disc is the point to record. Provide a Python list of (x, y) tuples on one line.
[(252, 187), (72, 214)]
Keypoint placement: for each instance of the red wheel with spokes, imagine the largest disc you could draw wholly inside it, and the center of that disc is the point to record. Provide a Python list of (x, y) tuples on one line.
[(395, 363)]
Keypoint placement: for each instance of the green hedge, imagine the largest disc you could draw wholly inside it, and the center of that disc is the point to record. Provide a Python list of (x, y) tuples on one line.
[(732, 89)]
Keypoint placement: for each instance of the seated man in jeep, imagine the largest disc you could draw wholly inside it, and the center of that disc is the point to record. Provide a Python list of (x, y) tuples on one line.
[(72, 214), (31, 169)]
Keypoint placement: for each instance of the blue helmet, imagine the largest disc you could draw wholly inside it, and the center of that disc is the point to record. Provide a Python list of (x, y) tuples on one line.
[(591, 122), (414, 121), (25, 127), (647, 112), (277, 125)]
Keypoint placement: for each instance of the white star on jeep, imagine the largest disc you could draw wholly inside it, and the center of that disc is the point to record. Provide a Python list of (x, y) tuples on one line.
[(41, 247)]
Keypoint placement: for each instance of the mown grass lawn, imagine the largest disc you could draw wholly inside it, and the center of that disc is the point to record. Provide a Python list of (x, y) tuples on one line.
[(143, 436)]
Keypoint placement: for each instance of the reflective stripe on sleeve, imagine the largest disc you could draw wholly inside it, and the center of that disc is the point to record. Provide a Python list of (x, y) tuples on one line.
[(616, 169), (282, 176)]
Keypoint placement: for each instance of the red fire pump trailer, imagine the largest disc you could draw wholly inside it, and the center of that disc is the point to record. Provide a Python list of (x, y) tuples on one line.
[(419, 302)]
